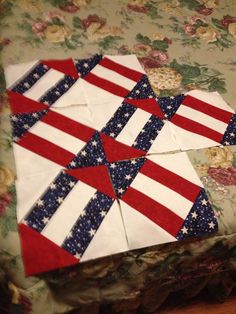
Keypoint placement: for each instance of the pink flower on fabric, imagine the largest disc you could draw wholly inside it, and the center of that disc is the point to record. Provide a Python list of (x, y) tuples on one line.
[(189, 29), (148, 62), (49, 16), (204, 11), (5, 200), (70, 8), (225, 176), (39, 27), (228, 20), (159, 56), (93, 19), (196, 18), (137, 8)]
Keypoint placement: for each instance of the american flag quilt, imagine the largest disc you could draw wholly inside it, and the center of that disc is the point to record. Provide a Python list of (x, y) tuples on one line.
[(99, 163)]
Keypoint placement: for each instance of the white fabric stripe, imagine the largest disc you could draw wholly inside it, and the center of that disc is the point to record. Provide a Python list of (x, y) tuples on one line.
[(30, 164), (164, 142), (78, 114), (113, 77), (202, 118), (97, 96), (133, 127), (179, 164), (189, 140), (74, 96), (58, 137), (212, 98), (66, 215), (16, 72), (29, 189), (135, 222), (163, 195), (129, 61), (110, 237), (47, 81)]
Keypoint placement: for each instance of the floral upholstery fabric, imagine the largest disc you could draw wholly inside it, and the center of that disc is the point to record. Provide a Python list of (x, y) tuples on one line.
[(182, 45)]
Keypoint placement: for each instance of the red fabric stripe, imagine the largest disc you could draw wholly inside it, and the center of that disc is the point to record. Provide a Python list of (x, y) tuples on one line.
[(149, 105), (40, 254), (65, 66), (68, 125), (107, 85), (196, 127), (171, 180), (156, 212), (46, 149), (214, 112), (121, 69), (21, 104)]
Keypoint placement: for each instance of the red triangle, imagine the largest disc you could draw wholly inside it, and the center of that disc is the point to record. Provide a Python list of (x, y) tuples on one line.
[(40, 254), (116, 151), (21, 104), (149, 104), (65, 66), (97, 177)]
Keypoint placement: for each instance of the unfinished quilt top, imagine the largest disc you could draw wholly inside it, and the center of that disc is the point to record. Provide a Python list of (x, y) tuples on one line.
[(95, 164)]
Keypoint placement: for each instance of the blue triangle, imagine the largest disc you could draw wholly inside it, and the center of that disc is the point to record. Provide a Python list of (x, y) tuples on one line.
[(21, 123), (92, 154), (201, 219), (122, 173)]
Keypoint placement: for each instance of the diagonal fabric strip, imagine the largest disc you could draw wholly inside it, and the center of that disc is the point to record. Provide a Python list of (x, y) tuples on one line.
[(196, 127), (121, 69), (46, 149), (208, 109), (68, 125), (155, 211), (171, 180), (106, 85)]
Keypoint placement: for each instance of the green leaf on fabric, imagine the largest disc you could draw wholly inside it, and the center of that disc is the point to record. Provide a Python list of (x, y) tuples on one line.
[(77, 22), (70, 44), (187, 71), (160, 45), (218, 85), (217, 23), (190, 4), (109, 42), (152, 11), (2, 81), (143, 39), (57, 3)]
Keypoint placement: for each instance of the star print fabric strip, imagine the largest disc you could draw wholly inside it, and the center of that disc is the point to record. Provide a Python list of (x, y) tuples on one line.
[(51, 96), (30, 79), (22, 122), (48, 203), (87, 224)]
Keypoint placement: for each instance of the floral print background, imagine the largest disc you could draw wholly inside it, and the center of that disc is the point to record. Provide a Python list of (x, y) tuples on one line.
[(182, 45)]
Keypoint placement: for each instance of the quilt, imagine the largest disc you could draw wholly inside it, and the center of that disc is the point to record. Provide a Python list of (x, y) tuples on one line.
[(93, 154)]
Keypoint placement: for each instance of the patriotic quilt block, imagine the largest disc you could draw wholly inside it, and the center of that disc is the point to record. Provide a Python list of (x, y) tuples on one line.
[(89, 180), (165, 201), (203, 120)]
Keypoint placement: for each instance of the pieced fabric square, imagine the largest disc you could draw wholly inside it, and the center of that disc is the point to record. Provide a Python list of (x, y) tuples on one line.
[(91, 177)]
